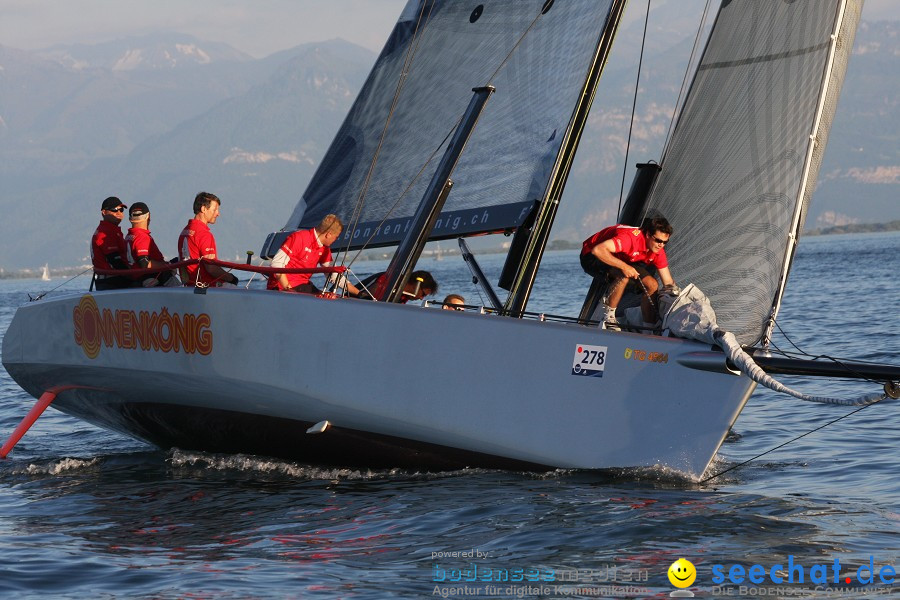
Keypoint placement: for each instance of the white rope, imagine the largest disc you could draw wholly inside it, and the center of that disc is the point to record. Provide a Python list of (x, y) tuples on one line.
[(748, 367), (691, 316)]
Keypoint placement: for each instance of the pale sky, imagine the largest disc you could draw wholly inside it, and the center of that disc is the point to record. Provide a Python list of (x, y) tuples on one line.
[(258, 27)]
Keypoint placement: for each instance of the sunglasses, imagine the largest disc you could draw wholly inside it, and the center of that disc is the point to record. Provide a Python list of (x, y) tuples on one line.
[(659, 241), (120, 209)]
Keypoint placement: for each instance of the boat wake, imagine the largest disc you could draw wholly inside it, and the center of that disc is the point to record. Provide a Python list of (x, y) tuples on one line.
[(271, 467), (265, 467), (54, 467)]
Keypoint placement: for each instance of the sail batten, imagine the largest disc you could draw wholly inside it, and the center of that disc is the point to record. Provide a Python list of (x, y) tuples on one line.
[(545, 50)]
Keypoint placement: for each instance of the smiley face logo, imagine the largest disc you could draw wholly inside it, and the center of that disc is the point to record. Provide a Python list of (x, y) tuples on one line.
[(682, 573)]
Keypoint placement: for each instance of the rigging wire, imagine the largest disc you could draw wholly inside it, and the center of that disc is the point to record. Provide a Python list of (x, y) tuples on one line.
[(749, 460), (837, 361), (403, 194), (401, 81), (687, 71), (681, 94), (50, 291), (637, 85), (357, 213), (516, 45)]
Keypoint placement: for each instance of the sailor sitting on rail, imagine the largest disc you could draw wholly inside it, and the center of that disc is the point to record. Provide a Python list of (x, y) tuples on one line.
[(307, 249), (142, 251), (108, 246)]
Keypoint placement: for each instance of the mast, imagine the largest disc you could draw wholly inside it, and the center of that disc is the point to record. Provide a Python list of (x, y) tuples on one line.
[(540, 233), (832, 79)]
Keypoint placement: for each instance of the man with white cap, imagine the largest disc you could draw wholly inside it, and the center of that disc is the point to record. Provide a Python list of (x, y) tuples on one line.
[(142, 250)]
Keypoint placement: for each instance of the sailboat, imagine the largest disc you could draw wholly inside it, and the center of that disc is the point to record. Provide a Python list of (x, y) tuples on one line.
[(45, 272), (468, 124)]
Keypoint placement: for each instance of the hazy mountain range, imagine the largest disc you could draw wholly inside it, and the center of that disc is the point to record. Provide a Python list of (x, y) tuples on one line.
[(161, 117)]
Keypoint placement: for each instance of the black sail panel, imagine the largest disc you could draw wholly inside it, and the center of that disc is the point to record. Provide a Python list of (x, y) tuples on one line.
[(455, 46)]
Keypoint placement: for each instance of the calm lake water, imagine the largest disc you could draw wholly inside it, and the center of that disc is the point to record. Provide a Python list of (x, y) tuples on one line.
[(88, 513)]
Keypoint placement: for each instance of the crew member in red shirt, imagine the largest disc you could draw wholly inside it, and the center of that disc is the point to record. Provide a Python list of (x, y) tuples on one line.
[(307, 249), (108, 246), (142, 250), (620, 253), (197, 241)]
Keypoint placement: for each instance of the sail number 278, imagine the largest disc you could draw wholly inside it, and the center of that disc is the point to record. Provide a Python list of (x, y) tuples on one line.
[(589, 361), (595, 357)]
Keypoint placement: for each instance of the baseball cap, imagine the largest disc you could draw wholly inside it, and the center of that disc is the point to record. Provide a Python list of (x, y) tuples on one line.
[(112, 203), (138, 209)]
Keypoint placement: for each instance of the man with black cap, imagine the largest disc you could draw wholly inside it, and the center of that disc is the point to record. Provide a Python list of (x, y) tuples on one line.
[(142, 250), (108, 246)]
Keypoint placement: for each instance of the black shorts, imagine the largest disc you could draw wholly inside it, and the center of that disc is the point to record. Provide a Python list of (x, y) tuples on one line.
[(595, 267)]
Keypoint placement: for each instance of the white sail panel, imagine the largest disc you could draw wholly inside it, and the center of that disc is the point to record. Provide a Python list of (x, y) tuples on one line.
[(739, 159), (459, 45)]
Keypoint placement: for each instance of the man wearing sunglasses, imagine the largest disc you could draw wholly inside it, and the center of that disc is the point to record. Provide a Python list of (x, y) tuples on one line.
[(108, 249), (620, 253)]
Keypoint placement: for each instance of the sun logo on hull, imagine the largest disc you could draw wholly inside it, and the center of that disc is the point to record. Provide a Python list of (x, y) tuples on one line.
[(86, 317)]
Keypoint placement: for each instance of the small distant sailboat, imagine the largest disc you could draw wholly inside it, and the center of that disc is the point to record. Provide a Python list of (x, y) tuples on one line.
[(45, 272)]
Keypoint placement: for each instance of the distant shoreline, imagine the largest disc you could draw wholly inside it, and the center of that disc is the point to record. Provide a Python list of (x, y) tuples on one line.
[(553, 245), (855, 228)]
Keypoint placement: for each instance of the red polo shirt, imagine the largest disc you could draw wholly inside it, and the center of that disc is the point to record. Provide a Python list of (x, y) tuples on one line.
[(631, 246), (304, 252), (107, 239), (196, 241), (140, 244)]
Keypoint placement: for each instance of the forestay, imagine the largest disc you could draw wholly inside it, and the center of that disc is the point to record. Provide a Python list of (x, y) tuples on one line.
[(742, 164), (458, 45)]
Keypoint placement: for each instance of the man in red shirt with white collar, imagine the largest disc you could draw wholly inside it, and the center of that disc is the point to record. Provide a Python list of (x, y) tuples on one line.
[(620, 253), (108, 246), (307, 249), (197, 241)]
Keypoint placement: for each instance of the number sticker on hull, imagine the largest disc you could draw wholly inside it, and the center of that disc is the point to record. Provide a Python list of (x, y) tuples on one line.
[(589, 361)]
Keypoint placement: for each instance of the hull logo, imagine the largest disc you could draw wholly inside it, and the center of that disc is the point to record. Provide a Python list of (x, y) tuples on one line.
[(154, 331)]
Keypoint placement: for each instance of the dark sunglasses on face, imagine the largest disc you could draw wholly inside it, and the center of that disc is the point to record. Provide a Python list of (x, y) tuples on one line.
[(120, 209), (659, 241)]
